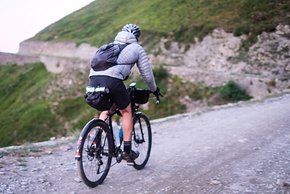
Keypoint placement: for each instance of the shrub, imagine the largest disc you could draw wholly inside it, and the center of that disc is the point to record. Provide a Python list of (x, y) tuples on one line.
[(232, 92), (240, 30)]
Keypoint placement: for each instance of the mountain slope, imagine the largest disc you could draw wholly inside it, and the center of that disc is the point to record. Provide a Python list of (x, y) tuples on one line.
[(99, 21), (29, 113)]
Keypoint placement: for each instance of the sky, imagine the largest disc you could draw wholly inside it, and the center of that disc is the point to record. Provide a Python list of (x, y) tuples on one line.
[(22, 19)]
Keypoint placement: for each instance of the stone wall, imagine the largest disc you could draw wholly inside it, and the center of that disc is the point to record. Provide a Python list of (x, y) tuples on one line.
[(56, 56), (9, 58), (56, 49)]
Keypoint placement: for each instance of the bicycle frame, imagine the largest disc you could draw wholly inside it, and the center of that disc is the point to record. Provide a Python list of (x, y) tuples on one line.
[(116, 149), (109, 120)]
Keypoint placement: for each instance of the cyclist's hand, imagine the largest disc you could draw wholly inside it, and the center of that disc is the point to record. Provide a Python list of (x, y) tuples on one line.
[(157, 94)]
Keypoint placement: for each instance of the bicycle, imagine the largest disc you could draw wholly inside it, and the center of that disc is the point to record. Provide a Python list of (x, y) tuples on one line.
[(96, 146)]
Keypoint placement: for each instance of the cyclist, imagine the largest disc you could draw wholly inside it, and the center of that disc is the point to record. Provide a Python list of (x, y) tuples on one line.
[(113, 78)]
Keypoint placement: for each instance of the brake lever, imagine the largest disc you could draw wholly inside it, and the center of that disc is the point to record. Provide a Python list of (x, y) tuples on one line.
[(158, 98)]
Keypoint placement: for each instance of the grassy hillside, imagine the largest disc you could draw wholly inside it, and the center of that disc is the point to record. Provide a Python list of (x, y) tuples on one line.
[(24, 112), (98, 22), (30, 113)]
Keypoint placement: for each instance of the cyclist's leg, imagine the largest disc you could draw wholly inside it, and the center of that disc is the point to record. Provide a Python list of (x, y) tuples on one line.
[(103, 115), (127, 122), (121, 99)]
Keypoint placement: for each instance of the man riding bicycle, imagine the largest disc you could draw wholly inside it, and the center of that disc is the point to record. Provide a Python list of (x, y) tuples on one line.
[(114, 76)]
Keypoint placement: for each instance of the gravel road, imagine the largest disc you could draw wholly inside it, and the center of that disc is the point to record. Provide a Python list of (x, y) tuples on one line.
[(243, 148)]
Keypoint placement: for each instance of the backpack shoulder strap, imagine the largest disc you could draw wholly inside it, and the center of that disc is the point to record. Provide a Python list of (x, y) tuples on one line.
[(121, 47)]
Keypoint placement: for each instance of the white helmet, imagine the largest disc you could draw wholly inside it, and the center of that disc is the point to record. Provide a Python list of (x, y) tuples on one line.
[(132, 28)]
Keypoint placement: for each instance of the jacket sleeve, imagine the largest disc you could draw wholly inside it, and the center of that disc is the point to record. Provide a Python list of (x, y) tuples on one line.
[(145, 69)]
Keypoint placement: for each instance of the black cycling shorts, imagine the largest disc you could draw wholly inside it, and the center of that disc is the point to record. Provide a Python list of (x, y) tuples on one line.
[(118, 92)]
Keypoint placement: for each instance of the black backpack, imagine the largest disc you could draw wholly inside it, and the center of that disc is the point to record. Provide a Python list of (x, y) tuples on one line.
[(106, 56)]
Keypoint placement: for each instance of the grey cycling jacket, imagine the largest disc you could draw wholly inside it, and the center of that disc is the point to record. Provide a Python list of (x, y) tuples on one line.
[(131, 54)]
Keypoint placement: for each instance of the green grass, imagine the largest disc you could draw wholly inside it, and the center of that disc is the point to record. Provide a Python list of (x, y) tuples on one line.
[(98, 22), (24, 111), (28, 113)]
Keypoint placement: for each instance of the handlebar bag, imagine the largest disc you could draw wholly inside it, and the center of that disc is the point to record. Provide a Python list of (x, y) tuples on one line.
[(140, 96)]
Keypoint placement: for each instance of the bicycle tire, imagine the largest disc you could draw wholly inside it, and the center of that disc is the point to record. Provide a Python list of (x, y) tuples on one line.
[(141, 139), (95, 147)]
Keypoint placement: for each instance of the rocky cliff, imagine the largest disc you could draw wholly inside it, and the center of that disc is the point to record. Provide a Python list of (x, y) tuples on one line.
[(264, 69)]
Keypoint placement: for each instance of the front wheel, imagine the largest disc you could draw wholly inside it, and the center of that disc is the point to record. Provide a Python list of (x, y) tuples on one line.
[(94, 152), (141, 139)]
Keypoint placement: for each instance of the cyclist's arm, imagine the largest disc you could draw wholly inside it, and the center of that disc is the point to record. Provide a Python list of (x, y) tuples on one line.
[(145, 69)]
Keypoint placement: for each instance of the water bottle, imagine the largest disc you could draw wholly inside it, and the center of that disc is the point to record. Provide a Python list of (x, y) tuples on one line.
[(116, 133), (121, 134)]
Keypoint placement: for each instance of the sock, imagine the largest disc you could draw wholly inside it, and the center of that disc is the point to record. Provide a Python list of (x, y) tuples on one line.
[(127, 146)]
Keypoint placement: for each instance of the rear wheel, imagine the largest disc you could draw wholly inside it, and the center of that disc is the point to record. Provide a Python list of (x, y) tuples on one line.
[(95, 148), (141, 139)]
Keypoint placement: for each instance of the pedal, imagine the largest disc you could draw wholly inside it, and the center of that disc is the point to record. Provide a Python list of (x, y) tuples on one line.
[(130, 163), (119, 158)]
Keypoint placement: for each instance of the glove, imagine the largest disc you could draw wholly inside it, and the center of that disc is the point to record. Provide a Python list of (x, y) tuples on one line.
[(157, 92)]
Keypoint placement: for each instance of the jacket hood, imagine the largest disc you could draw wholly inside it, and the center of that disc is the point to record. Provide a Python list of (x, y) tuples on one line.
[(125, 37)]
